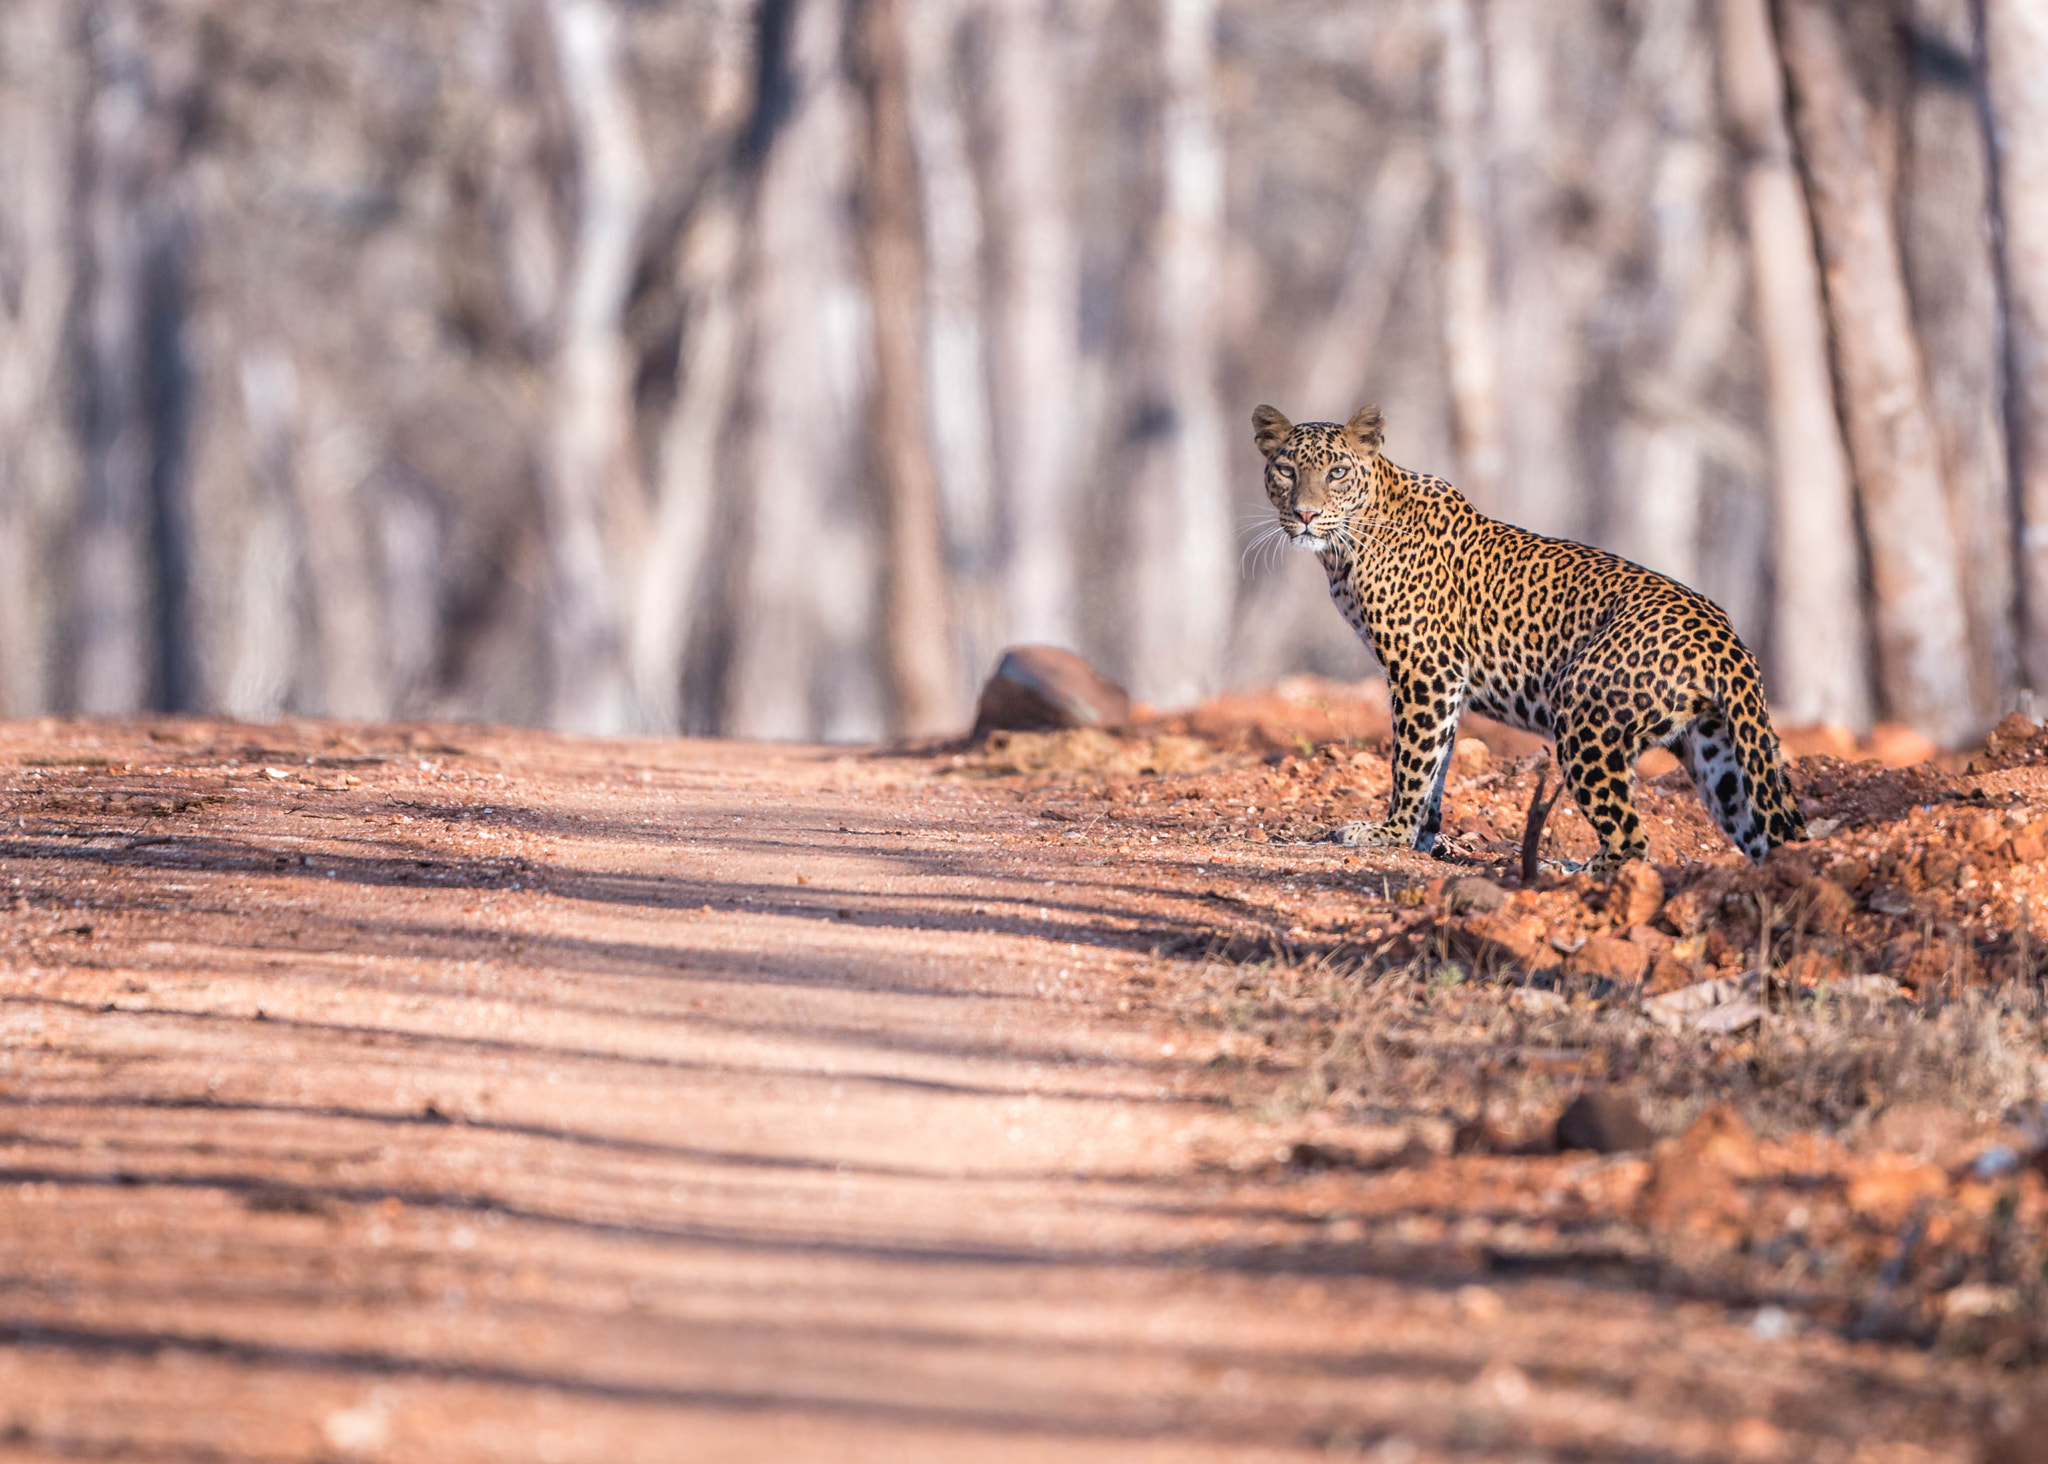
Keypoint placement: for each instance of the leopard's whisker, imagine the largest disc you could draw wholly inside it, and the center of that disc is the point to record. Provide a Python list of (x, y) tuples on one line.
[(1248, 561)]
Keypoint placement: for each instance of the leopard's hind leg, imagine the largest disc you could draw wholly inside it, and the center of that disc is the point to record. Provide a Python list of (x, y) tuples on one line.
[(1600, 773)]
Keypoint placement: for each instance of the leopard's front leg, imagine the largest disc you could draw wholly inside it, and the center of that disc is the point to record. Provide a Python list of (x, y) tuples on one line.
[(1425, 724)]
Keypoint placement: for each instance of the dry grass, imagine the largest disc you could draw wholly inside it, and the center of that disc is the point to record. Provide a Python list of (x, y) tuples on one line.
[(1424, 1038)]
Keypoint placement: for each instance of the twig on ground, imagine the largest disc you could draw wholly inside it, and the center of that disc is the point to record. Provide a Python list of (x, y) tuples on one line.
[(1532, 830)]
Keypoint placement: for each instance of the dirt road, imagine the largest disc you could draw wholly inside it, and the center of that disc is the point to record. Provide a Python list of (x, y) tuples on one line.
[(407, 1094)]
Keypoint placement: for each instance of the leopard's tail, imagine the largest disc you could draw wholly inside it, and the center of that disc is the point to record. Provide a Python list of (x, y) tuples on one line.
[(1739, 769)]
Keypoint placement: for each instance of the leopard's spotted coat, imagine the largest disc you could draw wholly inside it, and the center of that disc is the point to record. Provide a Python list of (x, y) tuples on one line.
[(1605, 656)]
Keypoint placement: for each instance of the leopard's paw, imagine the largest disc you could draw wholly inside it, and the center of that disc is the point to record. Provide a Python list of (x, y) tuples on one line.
[(1368, 836)]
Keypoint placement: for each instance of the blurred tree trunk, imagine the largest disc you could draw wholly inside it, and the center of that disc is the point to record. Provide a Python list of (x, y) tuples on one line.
[(1471, 330), (135, 407), (800, 664), (41, 97), (590, 485), (958, 369), (331, 462), (1034, 299), (1695, 279), (2016, 55), (1820, 654), (1331, 373), (690, 489), (916, 620), (1922, 631), (1952, 278), (1179, 513)]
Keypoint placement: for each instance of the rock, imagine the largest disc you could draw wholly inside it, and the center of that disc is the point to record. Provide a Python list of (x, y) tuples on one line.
[(1898, 746), (1043, 689), (1475, 894), (1822, 739), (2022, 1436), (2011, 740), (1815, 969), (1656, 763), (1928, 1132), (1605, 1122), (1890, 1186), (1668, 973), (1939, 868), (1470, 757), (1694, 1182), (1889, 899), (1687, 912), (1831, 906), (1620, 961), (1637, 894), (1502, 939), (1983, 1321)]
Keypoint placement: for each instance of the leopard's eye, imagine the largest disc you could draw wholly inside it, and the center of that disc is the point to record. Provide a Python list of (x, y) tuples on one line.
[(1339, 471), (1283, 471)]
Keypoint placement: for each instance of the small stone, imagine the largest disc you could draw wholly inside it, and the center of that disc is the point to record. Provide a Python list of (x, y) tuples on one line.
[(1474, 894), (1686, 912), (1929, 1132), (1899, 746), (1889, 1187), (1480, 1305), (2022, 1436), (1044, 689), (1637, 894), (1771, 1324), (1693, 1185), (1656, 762), (1605, 956), (1604, 1122), (1889, 899), (1668, 973), (1757, 1439), (1470, 757), (1831, 906)]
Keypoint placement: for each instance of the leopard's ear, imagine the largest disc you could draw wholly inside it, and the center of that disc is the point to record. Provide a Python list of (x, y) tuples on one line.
[(1269, 429), (1366, 430)]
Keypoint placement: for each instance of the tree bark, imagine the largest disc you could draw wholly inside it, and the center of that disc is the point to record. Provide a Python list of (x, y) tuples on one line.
[(958, 351), (1390, 215), (332, 464), (1695, 277), (800, 660), (135, 402), (1922, 631), (1952, 279), (1819, 658), (591, 492), (2016, 57), (40, 100), (916, 617), (1471, 327), (710, 281), (1180, 522), (1036, 309)]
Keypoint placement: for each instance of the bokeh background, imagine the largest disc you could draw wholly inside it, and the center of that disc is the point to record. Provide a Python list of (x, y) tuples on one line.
[(762, 367)]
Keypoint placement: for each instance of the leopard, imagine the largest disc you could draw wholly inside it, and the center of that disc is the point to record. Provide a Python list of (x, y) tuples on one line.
[(1602, 656)]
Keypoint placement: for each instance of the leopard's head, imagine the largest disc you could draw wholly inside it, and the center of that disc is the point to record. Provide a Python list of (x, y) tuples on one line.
[(1319, 475)]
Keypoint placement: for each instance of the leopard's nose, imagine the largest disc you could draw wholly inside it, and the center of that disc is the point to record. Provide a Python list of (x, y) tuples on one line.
[(1306, 515)]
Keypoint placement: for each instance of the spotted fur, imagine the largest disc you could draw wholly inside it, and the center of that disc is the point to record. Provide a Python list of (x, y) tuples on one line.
[(1604, 656)]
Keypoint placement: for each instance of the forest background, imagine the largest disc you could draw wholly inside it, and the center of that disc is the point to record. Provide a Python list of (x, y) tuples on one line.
[(762, 367)]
